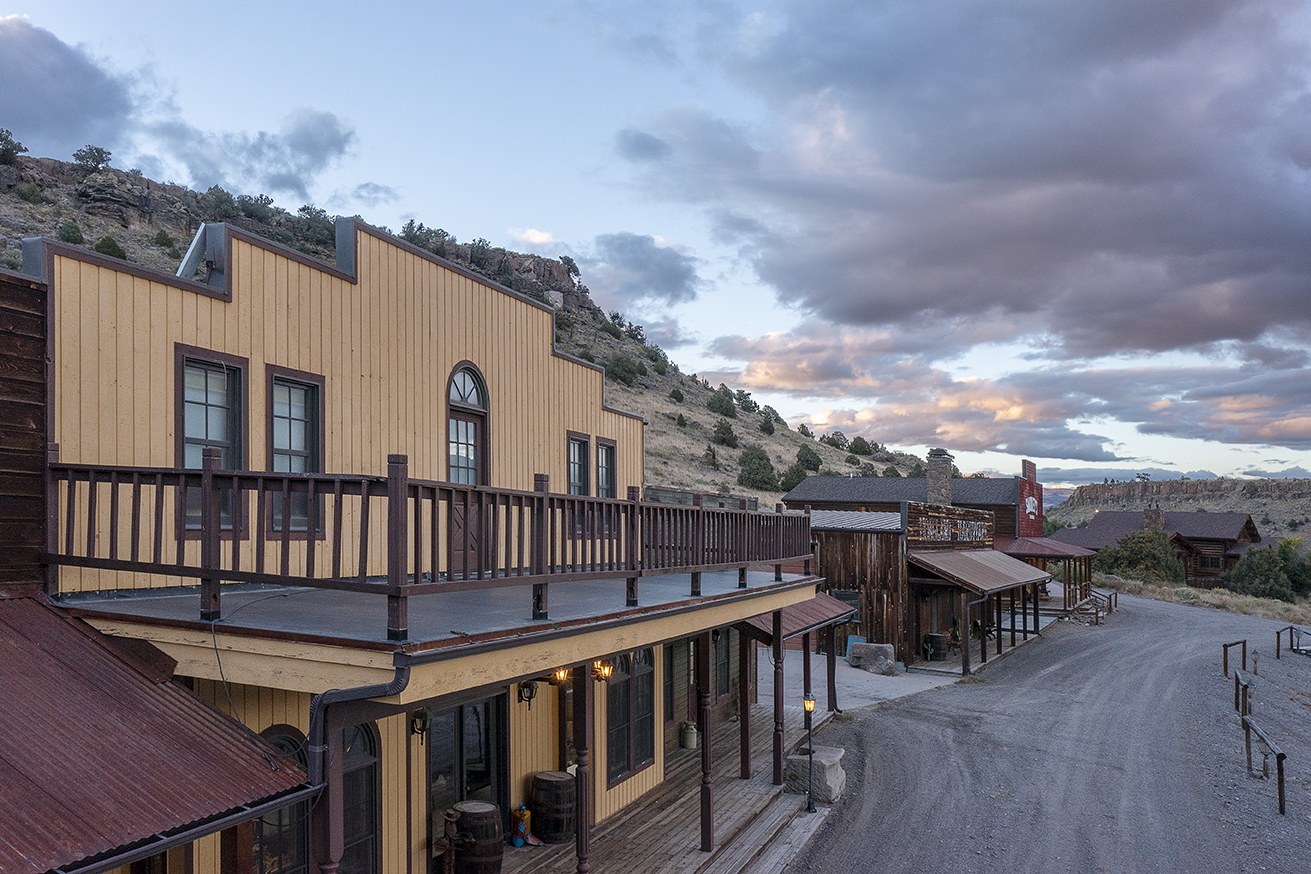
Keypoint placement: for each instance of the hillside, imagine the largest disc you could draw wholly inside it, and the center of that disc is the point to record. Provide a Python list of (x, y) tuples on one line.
[(152, 224), (1279, 507)]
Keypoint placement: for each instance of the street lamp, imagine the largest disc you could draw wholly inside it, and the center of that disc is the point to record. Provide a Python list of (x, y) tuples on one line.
[(809, 702)]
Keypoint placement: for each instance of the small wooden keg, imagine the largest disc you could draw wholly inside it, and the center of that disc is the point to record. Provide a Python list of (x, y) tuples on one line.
[(480, 840)]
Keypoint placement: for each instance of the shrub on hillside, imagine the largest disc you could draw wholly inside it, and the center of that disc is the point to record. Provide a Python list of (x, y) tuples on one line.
[(611, 329), (722, 402), (676, 396), (682, 422), (624, 368), (1259, 573), (109, 246), (860, 446), (69, 232), (891, 470), (918, 471), (757, 470), (835, 438), (808, 458), (1141, 555), (92, 158), (805, 432), (792, 477), (10, 148), (724, 435), (745, 402), (1295, 565), (766, 426)]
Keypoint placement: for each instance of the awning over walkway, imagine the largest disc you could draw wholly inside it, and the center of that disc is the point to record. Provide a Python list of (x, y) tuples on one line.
[(798, 619), (981, 570), (100, 754), (1040, 547)]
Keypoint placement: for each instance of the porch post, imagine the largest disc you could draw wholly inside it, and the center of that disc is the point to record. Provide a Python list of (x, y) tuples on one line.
[(541, 485), (997, 625), (703, 705), (778, 568), (1037, 625), (211, 609), (398, 541), (1024, 609), (831, 653), (52, 520), (698, 526), (630, 545), (965, 634), (1012, 618), (330, 819), (805, 663), (744, 645), (583, 777), (777, 629)]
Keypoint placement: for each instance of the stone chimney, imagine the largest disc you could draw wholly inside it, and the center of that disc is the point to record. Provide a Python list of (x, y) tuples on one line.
[(939, 476), (1154, 519)]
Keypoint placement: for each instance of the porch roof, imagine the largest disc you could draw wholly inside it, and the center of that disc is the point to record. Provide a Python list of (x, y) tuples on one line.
[(101, 755), (798, 619), (981, 570), (1040, 547)]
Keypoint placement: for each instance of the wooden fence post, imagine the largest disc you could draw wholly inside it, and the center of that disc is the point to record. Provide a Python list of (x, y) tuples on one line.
[(52, 521), (211, 608), (398, 546), (778, 568), (698, 543), (630, 543), (540, 526), (743, 542)]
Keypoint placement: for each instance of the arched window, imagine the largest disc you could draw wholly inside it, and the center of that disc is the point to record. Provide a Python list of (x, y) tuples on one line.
[(280, 839), (359, 767), (467, 427)]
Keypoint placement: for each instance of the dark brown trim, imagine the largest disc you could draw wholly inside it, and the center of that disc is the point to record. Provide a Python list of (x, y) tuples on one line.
[(469, 413), (236, 233), (570, 437), (76, 253), (182, 352), (656, 722), (614, 460), (319, 384)]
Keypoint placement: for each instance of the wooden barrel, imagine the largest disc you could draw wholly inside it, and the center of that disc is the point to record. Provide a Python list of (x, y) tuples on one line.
[(553, 806), (480, 841)]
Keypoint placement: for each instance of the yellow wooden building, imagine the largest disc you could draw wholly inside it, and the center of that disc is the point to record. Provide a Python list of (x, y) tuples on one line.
[(371, 511)]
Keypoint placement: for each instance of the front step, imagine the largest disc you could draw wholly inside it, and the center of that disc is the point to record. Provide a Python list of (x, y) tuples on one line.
[(788, 843), (750, 842)]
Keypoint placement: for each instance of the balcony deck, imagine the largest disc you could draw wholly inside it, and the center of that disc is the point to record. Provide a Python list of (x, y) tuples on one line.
[(479, 614)]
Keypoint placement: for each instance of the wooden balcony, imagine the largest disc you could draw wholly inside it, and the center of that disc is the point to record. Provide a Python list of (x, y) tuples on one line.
[(392, 536)]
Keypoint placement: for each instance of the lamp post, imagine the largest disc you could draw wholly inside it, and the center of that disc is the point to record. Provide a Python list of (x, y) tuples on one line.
[(809, 702)]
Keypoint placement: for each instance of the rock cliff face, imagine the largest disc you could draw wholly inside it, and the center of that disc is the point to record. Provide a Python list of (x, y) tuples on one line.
[(1278, 506)]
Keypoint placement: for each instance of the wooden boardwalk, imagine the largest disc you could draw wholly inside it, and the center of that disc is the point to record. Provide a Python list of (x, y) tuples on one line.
[(661, 831)]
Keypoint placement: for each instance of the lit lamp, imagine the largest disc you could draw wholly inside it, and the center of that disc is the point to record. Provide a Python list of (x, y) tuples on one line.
[(809, 702), (560, 677), (602, 671)]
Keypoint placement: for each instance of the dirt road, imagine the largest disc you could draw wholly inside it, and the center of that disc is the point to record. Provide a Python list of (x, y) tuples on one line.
[(1112, 748)]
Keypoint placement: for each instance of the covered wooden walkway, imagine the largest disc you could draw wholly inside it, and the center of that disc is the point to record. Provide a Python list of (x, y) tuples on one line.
[(661, 831)]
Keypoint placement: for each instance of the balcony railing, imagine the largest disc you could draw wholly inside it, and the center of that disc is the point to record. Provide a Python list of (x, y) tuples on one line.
[(392, 535)]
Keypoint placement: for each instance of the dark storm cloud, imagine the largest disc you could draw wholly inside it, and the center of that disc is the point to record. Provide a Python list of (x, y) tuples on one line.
[(632, 269), (287, 162), (56, 98)]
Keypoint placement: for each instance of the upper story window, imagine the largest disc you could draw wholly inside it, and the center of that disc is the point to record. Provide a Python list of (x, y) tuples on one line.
[(578, 466), (295, 438), (210, 414), (466, 428), (605, 470)]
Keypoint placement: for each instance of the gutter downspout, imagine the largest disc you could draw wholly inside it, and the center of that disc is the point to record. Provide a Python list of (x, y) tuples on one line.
[(318, 747)]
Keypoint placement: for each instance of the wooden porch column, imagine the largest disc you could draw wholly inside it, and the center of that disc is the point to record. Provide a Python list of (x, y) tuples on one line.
[(831, 654), (997, 625), (328, 820), (965, 633), (698, 557), (1037, 625), (630, 545), (583, 777), (703, 705), (744, 545), (541, 485), (744, 645), (805, 663), (211, 609), (398, 542), (777, 629), (778, 568), (1024, 609), (1012, 618)]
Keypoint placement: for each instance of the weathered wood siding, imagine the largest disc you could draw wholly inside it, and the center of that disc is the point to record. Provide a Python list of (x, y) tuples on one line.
[(22, 428), (385, 347), (873, 564)]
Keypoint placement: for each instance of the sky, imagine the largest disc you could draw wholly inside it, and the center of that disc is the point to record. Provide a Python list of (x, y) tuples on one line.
[(1073, 231)]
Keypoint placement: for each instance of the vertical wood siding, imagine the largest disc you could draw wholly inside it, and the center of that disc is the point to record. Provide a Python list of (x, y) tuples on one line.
[(534, 740), (386, 348), (611, 800), (22, 429)]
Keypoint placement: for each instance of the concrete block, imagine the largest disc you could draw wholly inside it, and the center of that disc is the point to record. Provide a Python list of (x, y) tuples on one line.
[(830, 779), (877, 658)]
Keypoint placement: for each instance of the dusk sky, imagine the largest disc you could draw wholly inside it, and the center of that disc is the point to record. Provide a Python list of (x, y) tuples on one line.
[(1074, 232)]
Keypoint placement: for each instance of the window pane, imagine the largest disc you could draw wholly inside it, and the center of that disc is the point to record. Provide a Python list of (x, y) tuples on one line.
[(193, 421), (194, 383), (217, 424), (281, 400), (297, 438)]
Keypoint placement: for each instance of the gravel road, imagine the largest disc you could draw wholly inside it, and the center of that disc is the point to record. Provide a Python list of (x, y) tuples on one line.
[(1112, 748)]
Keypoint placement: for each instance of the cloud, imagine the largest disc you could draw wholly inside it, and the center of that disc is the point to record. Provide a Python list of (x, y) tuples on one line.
[(56, 97), (667, 333), (370, 194), (531, 237), (1083, 475), (628, 269), (1295, 472), (288, 161)]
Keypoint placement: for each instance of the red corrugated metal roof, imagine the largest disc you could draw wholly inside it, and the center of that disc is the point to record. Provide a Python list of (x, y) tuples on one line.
[(983, 570), (94, 756), (819, 611), (1039, 546)]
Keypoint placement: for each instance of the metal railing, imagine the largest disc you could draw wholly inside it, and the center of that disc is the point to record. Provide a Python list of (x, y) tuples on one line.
[(391, 535)]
